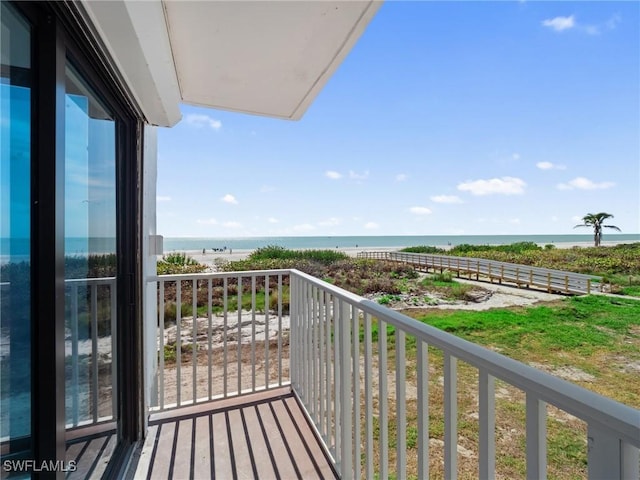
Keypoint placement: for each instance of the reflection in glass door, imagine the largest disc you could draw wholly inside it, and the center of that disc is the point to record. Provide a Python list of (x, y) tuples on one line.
[(15, 237), (90, 256)]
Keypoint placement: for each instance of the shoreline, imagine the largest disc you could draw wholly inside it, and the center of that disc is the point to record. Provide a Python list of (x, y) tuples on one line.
[(211, 257)]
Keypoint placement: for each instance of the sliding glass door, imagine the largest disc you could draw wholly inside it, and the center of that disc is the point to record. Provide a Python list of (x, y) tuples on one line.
[(15, 234), (70, 281)]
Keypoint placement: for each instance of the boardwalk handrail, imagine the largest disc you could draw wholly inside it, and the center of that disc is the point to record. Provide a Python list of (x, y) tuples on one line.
[(549, 279)]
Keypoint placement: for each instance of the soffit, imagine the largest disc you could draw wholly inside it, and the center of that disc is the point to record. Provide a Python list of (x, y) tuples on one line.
[(261, 57)]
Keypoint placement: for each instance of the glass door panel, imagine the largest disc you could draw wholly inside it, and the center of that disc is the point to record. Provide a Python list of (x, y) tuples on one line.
[(90, 255), (15, 237)]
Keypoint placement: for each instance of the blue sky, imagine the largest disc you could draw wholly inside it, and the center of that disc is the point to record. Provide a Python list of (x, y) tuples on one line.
[(452, 118)]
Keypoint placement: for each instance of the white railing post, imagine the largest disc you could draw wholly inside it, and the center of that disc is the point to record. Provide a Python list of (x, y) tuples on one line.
[(368, 391), (74, 355), (401, 405), (161, 347), (355, 358), (113, 310), (487, 426), (280, 327), (536, 424), (609, 457), (346, 460), (383, 401), (178, 341), (194, 340), (422, 373), (450, 417), (294, 292), (94, 351)]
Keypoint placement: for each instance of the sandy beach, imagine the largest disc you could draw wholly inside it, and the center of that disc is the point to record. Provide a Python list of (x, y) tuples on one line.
[(211, 258)]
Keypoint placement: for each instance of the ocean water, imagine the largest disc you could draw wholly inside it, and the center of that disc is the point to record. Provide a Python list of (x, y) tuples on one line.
[(173, 244)]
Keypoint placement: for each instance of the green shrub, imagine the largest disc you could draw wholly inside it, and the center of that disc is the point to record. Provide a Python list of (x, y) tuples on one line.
[(274, 252), (179, 263), (273, 303), (445, 276), (423, 249), (170, 312)]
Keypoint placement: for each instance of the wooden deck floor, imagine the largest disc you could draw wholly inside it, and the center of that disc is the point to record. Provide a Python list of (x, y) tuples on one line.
[(261, 436), (90, 449)]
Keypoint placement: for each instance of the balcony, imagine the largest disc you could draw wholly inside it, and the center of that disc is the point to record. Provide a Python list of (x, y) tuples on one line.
[(282, 372)]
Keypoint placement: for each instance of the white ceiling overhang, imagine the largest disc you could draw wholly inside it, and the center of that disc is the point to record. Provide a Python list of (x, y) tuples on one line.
[(262, 57)]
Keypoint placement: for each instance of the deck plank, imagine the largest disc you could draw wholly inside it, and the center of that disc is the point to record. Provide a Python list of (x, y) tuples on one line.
[(182, 460), (264, 436), (201, 454), (163, 458), (221, 452), (283, 462), (260, 450)]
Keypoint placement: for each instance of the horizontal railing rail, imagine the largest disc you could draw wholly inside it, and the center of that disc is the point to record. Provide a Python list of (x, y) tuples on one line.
[(220, 335), (344, 384), (545, 278)]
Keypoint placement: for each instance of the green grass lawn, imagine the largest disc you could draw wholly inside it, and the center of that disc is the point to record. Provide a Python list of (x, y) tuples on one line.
[(596, 337)]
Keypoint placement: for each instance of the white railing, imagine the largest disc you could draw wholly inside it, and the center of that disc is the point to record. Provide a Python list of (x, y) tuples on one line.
[(238, 343), (91, 386), (545, 278), (354, 382), (334, 373)]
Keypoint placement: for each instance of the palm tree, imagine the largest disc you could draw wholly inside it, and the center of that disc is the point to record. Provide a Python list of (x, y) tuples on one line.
[(596, 220)]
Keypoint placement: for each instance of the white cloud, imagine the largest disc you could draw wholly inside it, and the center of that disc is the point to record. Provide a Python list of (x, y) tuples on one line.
[(329, 222), (359, 176), (304, 227), (208, 221), (550, 166), (371, 225), (592, 29), (582, 183), (560, 23), (161, 198), (228, 198), (232, 224), (272, 220), (503, 186), (199, 120), (333, 175), (401, 177), (446, 199), (420, 210), (610, 24), (613, 21)]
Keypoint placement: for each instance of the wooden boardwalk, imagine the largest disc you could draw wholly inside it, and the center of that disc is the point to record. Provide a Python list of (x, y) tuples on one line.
[(557, 281), (262, 436)]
